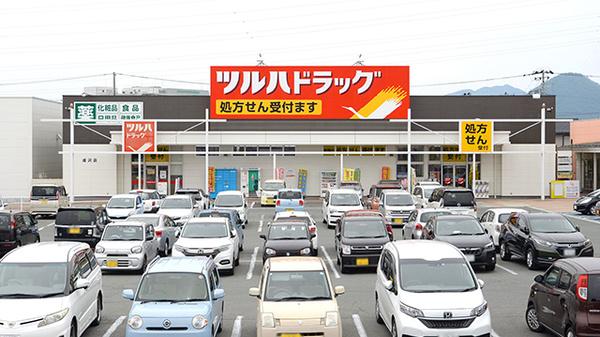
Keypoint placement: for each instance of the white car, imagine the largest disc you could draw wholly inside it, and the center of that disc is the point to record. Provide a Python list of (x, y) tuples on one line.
[(214, 237), (121, 206), (415, 225), (151, 199), (50, 289), (493, 218), (338, 201), (421, 194), (2, 204), (232, 200), (305, 216), (127, 245), (180, 208), (428, 288), (396, 206)]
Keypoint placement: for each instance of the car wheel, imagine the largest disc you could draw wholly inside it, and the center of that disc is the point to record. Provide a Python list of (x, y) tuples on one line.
[(143, 267), (98, 318), (570, 332), (237, 260), (504, 253), (378, 311), (532, 319), (73, 329), (394, 329), (591, 209), (530, 259), (220, 327)]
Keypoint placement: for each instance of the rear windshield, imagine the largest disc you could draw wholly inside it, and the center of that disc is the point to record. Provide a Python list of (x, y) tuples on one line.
[(44, 191), (147, 195), (121, 202), (458, 198), (75, 218), (214, 215), (289, 195), (273, 186), (229, 200), (4, 221), (428, 215)]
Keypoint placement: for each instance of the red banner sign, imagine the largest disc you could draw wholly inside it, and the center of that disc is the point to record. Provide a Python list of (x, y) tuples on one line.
[(311, 92), (139, 136)]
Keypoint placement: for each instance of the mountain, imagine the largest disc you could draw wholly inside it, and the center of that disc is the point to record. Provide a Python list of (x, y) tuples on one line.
[(490, 91)]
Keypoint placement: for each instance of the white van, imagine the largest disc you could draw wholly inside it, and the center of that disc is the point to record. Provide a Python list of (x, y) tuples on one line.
[(396, 206), (46, 199), (338, 201)]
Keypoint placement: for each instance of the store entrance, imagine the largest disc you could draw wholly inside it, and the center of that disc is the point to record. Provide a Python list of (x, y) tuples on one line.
[(455, 175)]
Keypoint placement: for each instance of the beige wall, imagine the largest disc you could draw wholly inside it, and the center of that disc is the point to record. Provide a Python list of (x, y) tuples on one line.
[(583, 132)]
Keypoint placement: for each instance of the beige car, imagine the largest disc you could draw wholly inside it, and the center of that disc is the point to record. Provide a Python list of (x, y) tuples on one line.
[(296, 298)]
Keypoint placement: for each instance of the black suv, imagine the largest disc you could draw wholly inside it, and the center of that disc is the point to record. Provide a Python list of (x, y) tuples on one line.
[(81, 224), (541, 238), (17, 228)]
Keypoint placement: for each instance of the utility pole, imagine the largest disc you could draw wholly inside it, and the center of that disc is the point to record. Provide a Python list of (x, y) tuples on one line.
[(543, 78), (114, 83)]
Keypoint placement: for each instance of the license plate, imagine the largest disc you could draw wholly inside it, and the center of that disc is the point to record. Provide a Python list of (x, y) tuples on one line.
[(362, 262), (397, 220), (289, 210), (291, 335), (569, 252), (470, 257), (44, 201), (74, 230), (112, 263)]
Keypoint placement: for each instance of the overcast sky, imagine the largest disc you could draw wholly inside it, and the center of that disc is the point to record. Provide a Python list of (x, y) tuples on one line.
[(54, 48)]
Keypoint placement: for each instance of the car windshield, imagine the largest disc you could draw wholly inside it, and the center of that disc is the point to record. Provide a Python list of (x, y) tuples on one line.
[(32, 280), (229, 201), (123, 233), (551, 225), (445, 275), (204, 230), (172, 287), (344, 199), (176, 203), (297, 286), (75, 217), (371, 228), (447, 227), (458, 198), (273, 186), (427, 191), (288, 232), (152, 220), (289, 195), (121, 202), (399, 200), (44, 191), (425, 216)]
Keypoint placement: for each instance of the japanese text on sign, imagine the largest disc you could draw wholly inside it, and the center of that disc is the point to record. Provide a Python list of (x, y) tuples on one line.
[(107, 112), (476, 136), (139, 136)]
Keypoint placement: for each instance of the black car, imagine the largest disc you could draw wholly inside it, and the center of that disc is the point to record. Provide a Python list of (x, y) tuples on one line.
[(587, 204), (81, 224), (467, 234), (17, 228), (359, 240), (287, 238), (541, 238)]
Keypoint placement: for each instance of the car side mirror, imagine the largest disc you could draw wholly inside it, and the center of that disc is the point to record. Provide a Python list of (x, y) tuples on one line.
[(339, 290), (576, 228), (233, 234), (388, 284), (538, 278), (254, 292), (481, 283), (35, 222), (128, 294), (218, 293), (149, 238), (262, 236), (82, 284)]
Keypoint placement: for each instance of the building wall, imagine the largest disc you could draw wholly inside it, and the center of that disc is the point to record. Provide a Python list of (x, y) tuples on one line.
[(521, 173), (95, 167), (47, 139)]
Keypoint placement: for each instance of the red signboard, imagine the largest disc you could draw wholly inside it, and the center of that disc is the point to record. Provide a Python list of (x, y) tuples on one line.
[(139, 136), (310, 92)]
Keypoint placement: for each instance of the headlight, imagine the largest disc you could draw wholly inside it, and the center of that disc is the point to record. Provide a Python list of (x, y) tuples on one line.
[(131, 213), (410, 311), (225, 247), (346, 250), (267, 320), (135, 322), (332, 319), (331, 210), (480, 310), (136, 249), (489, 245), (587, 242), (53, 318), (270, 251), (388, 212), (543, 242), (305, 251), (199, 322), (99, 249)]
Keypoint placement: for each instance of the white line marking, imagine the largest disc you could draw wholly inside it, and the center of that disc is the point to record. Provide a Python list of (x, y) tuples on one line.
[(260, 224), (359, 327), (335, 272), (252, 263), (237, 327), (506, 269), (252, 204), (114, 326)]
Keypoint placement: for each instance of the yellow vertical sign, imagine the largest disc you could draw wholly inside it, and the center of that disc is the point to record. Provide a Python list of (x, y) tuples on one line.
[(476, 136)]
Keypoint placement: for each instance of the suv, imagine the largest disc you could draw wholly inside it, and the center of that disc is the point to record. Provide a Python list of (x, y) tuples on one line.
[(336, 202), (296, 298), (17, 228), (457, 199), (50, 289), (587, 203), (151, 199), (359, 240), (191, 288), (46, 199), (428, 288), (396, 205), (566, 298), (82, 224), (232, 215)]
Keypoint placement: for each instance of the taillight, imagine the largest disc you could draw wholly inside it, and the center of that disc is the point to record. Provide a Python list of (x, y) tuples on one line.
[(498, 228), (57, 195), (278, 202), (475, 206), (12, 225), (419, 226), (153, 203), (158, 233), (301, 203), (582, 284), (313, 229)]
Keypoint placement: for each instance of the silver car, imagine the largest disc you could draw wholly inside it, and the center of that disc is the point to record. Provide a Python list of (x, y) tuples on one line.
[(413, 229), (165, 228)]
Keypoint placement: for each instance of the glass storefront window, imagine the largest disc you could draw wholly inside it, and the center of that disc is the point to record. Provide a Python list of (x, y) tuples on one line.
[(403, 156), (416, 154), (435, 156)]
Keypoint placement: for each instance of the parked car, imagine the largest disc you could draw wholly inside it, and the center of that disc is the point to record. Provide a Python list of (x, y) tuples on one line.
[(428, 183), (127, 245), (179, 294), (565, 299), (232, 215), (458, 200), (493, 218), (213, 237), (466, 233), (542, 238), (287, 238), (304, 216), (389, 182), (375, 193), (17, 228), (165, 228), (3, 204), (336, 202), (269, 191), (232, 200), (46, 199), (428, 288), (422, 193), (197, 194), (587, 203), (396, 205), (179, 207), (293, 290), (353, 185), (413, 229), (372, 212), (151, 199), (359, 240), (50, 289), (80, 223), (290, 199), (121, 206)]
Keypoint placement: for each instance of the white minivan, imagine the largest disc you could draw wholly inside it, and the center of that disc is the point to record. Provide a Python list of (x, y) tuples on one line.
[(428, 288), (232, 200), (338, 201), (396, 206)]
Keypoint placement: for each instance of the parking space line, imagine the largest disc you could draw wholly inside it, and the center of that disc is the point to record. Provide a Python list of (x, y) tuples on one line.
[(260, 224), (252, 204), (237, 327), (252, 263), (359, 327), (114, 326), (506, 269), (333, 269)]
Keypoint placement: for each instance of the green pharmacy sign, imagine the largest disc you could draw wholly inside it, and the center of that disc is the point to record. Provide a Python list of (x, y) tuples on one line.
[(107, 113)]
